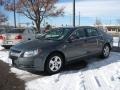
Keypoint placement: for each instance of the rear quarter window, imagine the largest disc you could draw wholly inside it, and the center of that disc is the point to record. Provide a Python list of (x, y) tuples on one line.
[(101, 32), (91, 32)]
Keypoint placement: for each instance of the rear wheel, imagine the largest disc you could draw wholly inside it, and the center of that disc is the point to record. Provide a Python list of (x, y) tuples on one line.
[(105, 51), (54, 63)]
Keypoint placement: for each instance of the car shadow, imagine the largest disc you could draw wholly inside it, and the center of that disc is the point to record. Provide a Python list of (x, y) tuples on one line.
[(76, 65), (86, 63), (91, 63)]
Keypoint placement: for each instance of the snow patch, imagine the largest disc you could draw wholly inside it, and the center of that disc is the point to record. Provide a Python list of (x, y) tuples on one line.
[(1, 48), (98, 75), (116, 41)]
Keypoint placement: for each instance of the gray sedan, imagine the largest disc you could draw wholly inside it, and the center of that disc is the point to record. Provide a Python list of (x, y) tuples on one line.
[(59, 46)]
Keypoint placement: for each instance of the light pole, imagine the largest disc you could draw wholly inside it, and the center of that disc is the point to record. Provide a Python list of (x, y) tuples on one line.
[(14, 15), (73, 13), (79, 18)]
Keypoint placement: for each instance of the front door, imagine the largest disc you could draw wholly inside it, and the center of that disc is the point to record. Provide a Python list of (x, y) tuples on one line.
[(76, 45)]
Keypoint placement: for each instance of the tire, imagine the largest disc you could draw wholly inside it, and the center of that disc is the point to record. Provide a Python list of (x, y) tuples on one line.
[(54, 63), (105, 51)]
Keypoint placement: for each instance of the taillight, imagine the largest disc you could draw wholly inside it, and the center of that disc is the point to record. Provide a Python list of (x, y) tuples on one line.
[(18, 37), (1, 37)]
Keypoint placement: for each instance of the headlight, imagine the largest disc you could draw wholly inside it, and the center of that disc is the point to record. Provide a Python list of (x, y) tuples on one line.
[(31, 53)]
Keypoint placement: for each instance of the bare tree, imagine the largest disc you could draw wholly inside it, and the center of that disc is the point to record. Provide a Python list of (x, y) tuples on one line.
[(3, 18), (1, 2), (36, 10)]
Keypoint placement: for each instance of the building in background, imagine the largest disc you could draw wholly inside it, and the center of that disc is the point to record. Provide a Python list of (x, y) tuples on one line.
[(113, 30)]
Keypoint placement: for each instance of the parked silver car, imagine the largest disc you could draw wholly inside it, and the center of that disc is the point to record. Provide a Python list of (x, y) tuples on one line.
[(16, 35), (2, 31)]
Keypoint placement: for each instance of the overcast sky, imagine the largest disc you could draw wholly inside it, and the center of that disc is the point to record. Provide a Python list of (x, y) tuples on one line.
[(108, 11), (93, 8)]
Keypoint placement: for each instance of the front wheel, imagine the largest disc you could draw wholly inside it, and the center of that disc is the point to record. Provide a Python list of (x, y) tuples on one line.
[(54, 63), (105, 51)]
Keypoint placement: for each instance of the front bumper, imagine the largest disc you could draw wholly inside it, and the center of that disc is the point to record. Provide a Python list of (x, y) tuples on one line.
[(35, 63)]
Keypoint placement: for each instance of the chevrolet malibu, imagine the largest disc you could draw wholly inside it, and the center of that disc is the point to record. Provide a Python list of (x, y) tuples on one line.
[(59, 46)]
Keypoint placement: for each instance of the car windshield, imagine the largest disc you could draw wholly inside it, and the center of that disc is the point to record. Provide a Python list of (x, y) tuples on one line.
[(56, 34), (16, 31)]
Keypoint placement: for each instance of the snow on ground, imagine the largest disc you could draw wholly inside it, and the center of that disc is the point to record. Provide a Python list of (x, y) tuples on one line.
[(4, 55), (116, 41), (1, 48), (98, 75), (20, 73)]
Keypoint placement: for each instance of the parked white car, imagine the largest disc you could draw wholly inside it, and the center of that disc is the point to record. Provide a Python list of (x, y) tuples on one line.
[(16, 35)]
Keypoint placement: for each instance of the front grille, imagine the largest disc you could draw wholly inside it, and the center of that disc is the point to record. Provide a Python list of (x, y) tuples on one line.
[(14, 57), (15, 51)]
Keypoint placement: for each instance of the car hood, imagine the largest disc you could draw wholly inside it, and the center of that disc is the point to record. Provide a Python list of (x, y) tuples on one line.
[(35, 44)]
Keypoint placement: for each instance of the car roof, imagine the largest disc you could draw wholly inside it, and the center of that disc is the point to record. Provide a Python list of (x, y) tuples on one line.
[(18, 28), (77, 27), (74, 28), (85, 27)]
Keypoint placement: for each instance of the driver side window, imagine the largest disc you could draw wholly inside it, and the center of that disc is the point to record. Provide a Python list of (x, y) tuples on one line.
[(77, 35)]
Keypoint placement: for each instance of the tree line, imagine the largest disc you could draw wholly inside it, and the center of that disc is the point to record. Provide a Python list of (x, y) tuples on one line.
[(35, 10)]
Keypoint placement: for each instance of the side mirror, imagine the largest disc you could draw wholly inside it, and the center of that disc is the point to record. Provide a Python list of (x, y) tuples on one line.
[(69, 40), (72, 38)]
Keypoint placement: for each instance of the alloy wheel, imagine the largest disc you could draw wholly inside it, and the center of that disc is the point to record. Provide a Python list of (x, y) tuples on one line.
[(106, 51), (55, 63)]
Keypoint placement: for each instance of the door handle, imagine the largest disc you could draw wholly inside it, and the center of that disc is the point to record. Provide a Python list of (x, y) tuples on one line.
[(85, 40), (97, 42)]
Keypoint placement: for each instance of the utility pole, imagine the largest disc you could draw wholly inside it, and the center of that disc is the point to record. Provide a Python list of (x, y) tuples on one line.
[(73, 13), (79, 18), (14, 15), (110, 20)]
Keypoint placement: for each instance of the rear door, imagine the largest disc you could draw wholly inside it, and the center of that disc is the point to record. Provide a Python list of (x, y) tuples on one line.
[(92, 40)]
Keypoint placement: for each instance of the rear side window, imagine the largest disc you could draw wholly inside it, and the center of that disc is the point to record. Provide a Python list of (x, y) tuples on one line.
[(91, 32)]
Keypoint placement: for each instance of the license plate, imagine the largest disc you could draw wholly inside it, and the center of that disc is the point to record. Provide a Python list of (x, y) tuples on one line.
[(9, 42)]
